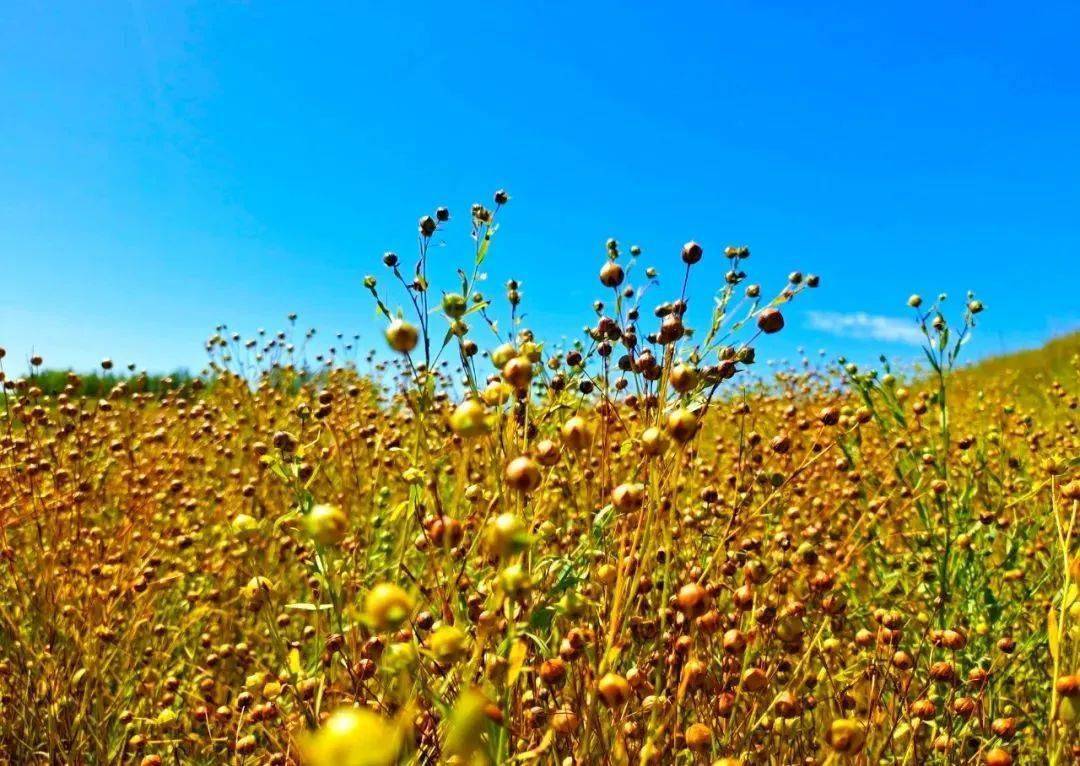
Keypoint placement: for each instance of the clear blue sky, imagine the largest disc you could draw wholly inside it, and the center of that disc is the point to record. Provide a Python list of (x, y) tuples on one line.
[(168, 166)]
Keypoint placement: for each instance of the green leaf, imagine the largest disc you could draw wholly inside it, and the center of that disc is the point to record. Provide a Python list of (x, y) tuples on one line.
[(601, 521), (541, 618), (476, 307), (482, 251), (305, 606)]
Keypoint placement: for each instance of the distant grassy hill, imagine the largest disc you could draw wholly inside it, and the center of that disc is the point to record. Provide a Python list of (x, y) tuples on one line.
[(1029, 374), (96, 384)]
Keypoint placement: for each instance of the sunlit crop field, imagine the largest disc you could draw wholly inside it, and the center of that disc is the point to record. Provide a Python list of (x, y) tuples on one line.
[(479, 547)]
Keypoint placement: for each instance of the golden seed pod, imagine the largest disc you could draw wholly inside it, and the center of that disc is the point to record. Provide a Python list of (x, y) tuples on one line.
[(448, 643), (1068, 686), (997, 757), (611, 274), (327, 524), (507, 534), (503, 354), (387, 605), (628, 497), (682, 424), (349, 731), (258, 591), (846, 735), (653, 441), (754, 680), (496, 393), (691, 598), (244, 525), (613, 690), (576, 434), (683, 378), (698, 736), (565, 721), (515, 580), (547, 452), (402, 336), (469, 419), (454, 305), (518, 372)]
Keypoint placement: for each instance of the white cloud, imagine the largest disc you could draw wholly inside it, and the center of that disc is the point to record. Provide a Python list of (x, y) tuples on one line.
[(868, 326)]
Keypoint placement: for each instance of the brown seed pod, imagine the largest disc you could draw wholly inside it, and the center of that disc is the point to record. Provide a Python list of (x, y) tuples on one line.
[(553, 672), (691, 253), (682, 425), (754, 680), (692, 599), (611, 274), (683, 378), (628, 497), (523, 474), (613, 690), (770, 321), (1068, 686)]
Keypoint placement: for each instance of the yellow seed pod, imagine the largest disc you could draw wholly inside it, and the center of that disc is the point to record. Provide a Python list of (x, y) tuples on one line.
[(628, 497), (448, 643), (613, 690), (606, 574), (506, 534), (257, 591), (402, 336), (496, 393), (354, 736), (846, 735), (399, 656), (466, 725), (653, 441), (683, 377), (387, 605), (244, 525), (790, 628), (515, 580), (503, 354), (523, 474), (1069, 709), (469, 419), (575, 433), (531, 351), (327, 524), (682, 424)]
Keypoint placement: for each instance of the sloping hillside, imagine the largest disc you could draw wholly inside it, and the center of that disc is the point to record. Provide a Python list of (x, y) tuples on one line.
[(1030, 374)]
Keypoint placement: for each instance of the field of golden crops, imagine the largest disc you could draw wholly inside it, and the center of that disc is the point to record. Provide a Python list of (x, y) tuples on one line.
[(640, 548)]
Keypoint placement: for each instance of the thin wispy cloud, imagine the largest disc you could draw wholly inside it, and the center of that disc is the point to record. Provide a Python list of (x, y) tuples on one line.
[(866, 326)]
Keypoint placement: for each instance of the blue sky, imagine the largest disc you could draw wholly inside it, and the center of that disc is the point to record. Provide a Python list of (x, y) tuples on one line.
[(165, 167)]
